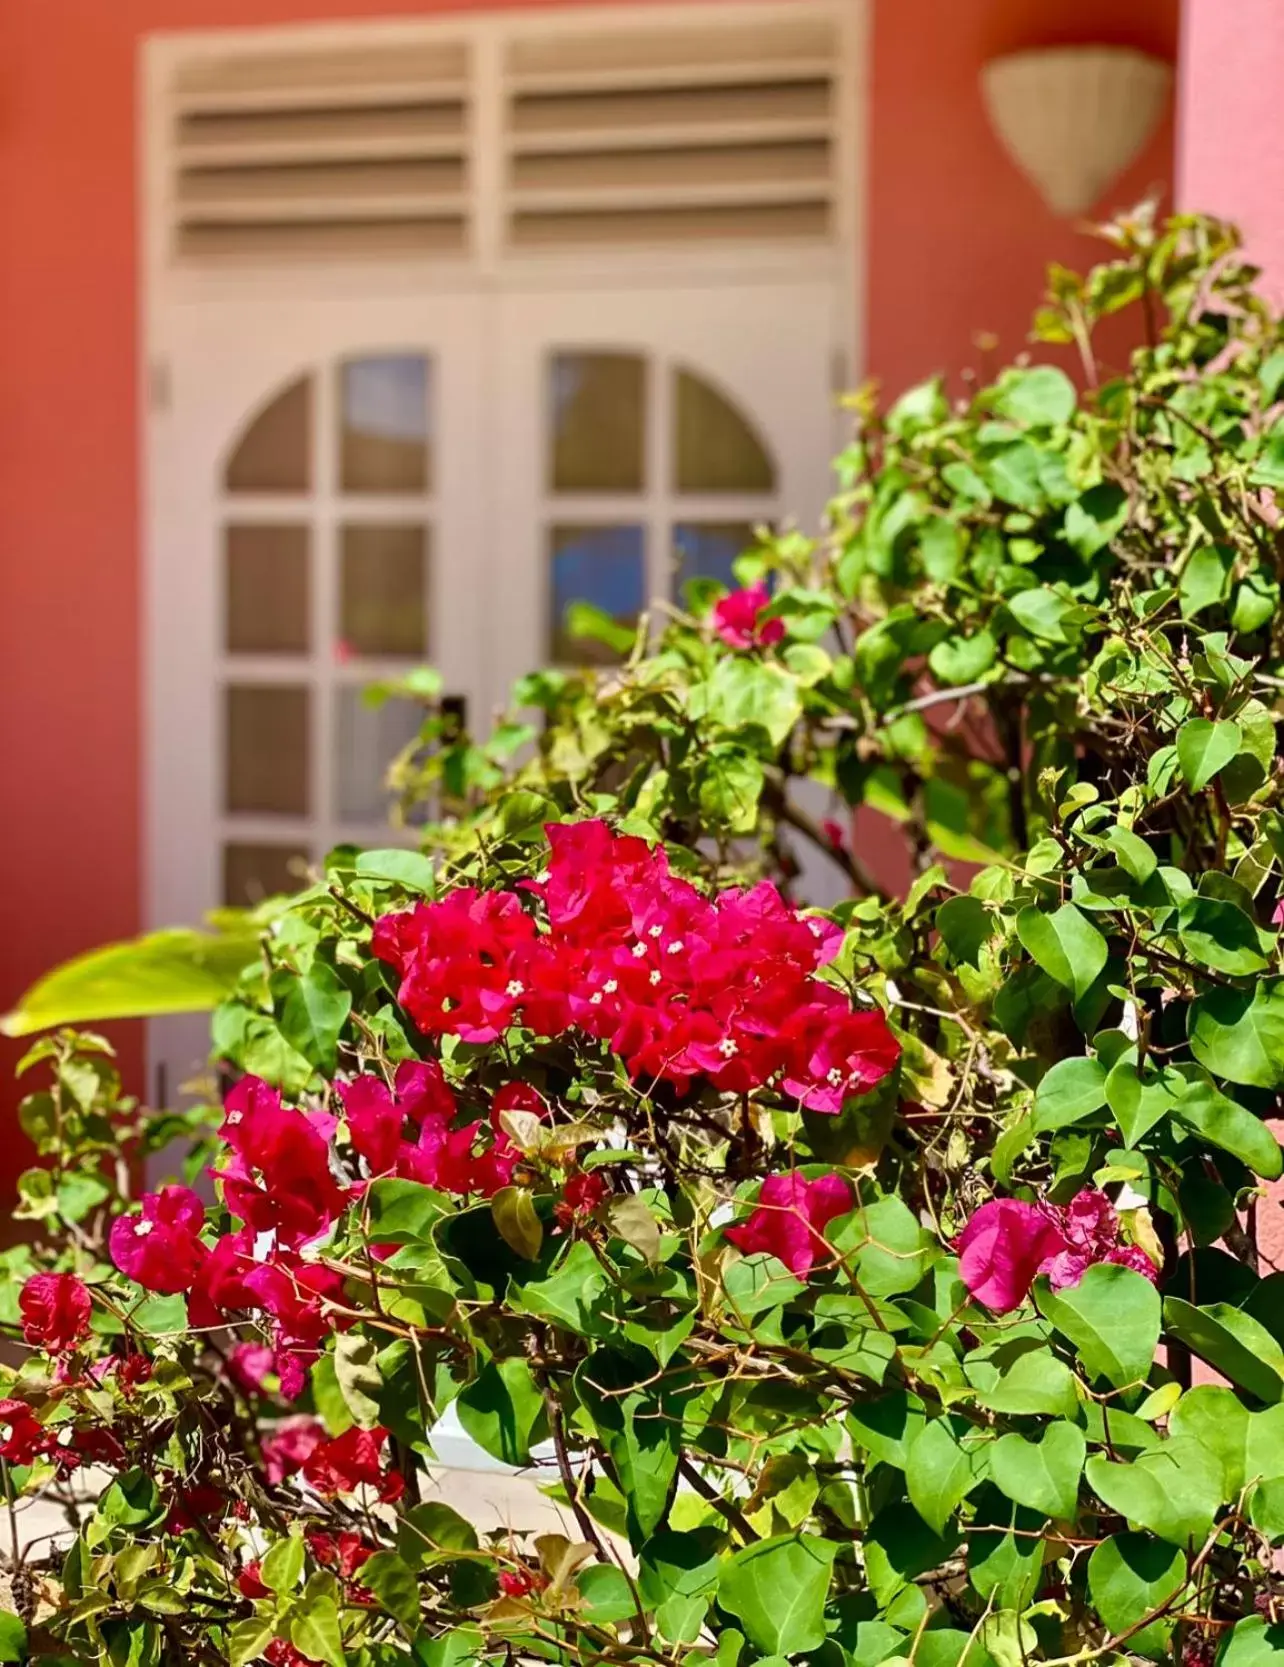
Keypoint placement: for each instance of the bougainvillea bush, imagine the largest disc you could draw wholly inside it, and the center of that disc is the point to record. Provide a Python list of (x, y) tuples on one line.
[(887, 1282)]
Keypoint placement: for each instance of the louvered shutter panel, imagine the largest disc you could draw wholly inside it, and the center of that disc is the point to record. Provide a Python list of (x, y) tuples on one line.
[(671, 133), (346, 153)]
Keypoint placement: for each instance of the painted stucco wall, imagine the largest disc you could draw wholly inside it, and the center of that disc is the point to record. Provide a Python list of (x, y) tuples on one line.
[(957, 242)]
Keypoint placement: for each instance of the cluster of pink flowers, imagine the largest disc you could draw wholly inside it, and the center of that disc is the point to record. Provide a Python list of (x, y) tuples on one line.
[(1007, 1243), (681, 986), (738, 620)]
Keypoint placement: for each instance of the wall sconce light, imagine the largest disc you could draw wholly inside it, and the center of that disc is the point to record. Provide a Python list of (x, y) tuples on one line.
[(1072, 118)]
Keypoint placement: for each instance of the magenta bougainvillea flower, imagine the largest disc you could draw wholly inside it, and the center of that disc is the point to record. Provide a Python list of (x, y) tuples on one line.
[(737, 618), (55, 1309), (681, 986), (352, 1460), (160, 1248), (790, 1219), (1006, 1243), (289, 1446)]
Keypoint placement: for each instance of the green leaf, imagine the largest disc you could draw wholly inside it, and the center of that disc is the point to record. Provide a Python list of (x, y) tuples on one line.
[(1133, 855), (175, 971), (1220, 935), (403, 1212), (13, 1637), (1044, 1474), (314, 1015), (570, 1296), (131, 1501), (393, 1582), (886, 1428), (605, 1594), (247, 1640), (1174, 1490), (1065, 944), (1005, 1550), (503, 1410), (282, 1566), (1040, 612), (1130, 1576), (314, 1629), (1140, 1099), (1219, 1419), (519, 1226), (777, 1590), (677, 1577), (640, 1429), (940, 1473), (586, 620), (1253, 1642), (744, 693), (1222, 1122), (634, 1224), (891, 1250), (1030, 1379), (1204, 748), (1072, 1090), (357, 1373), (965, 925), (729, 787), (963, 659), (1239, 1034), (1040, 397), (409, 869), (1112, 1316), (1232, 1342)]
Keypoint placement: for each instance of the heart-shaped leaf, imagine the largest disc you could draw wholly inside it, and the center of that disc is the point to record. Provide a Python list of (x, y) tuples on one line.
[(1044, 1474)]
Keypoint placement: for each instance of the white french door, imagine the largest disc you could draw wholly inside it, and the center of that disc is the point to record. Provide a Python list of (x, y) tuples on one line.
[(344, 490), (316, 490)]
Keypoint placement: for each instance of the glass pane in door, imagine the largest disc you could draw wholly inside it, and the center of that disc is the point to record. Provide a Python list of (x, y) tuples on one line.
[(596, 422), (706, 550), (367, 739), (385, 430), (266, 762), (384, 590), (267, 589), (604, 566), (715, 447), (252, 872), (274, 454)]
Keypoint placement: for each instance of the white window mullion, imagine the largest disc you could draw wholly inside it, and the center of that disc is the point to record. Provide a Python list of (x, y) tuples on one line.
[(324, 604)]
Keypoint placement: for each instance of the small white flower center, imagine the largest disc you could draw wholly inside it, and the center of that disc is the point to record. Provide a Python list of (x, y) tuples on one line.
[(727, 1048), (611, 986), (655, 976), (834, 1077), (143, 1228), (676, 947), (595, 1000), (233, 1118), (639, 950), (655, 931), (514, 987)]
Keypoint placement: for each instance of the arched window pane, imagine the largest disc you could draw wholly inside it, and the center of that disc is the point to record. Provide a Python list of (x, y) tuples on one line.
[(386, 424), (706, 550), (604, 566), (267, 589), (367, 739), (275, 452), (267, 749), (384, 590), (715, 448), (253, 872), (596, 421)]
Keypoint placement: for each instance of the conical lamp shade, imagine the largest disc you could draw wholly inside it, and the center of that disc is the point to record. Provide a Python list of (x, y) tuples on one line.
[(1072, 118)]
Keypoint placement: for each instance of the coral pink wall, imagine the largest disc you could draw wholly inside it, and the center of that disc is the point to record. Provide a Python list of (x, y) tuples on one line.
[(957, 243), (959, 240), (1230, 140)]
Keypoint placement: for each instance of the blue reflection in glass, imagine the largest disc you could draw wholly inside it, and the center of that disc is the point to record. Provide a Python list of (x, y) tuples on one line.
[(605, 566), (706, 550)]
